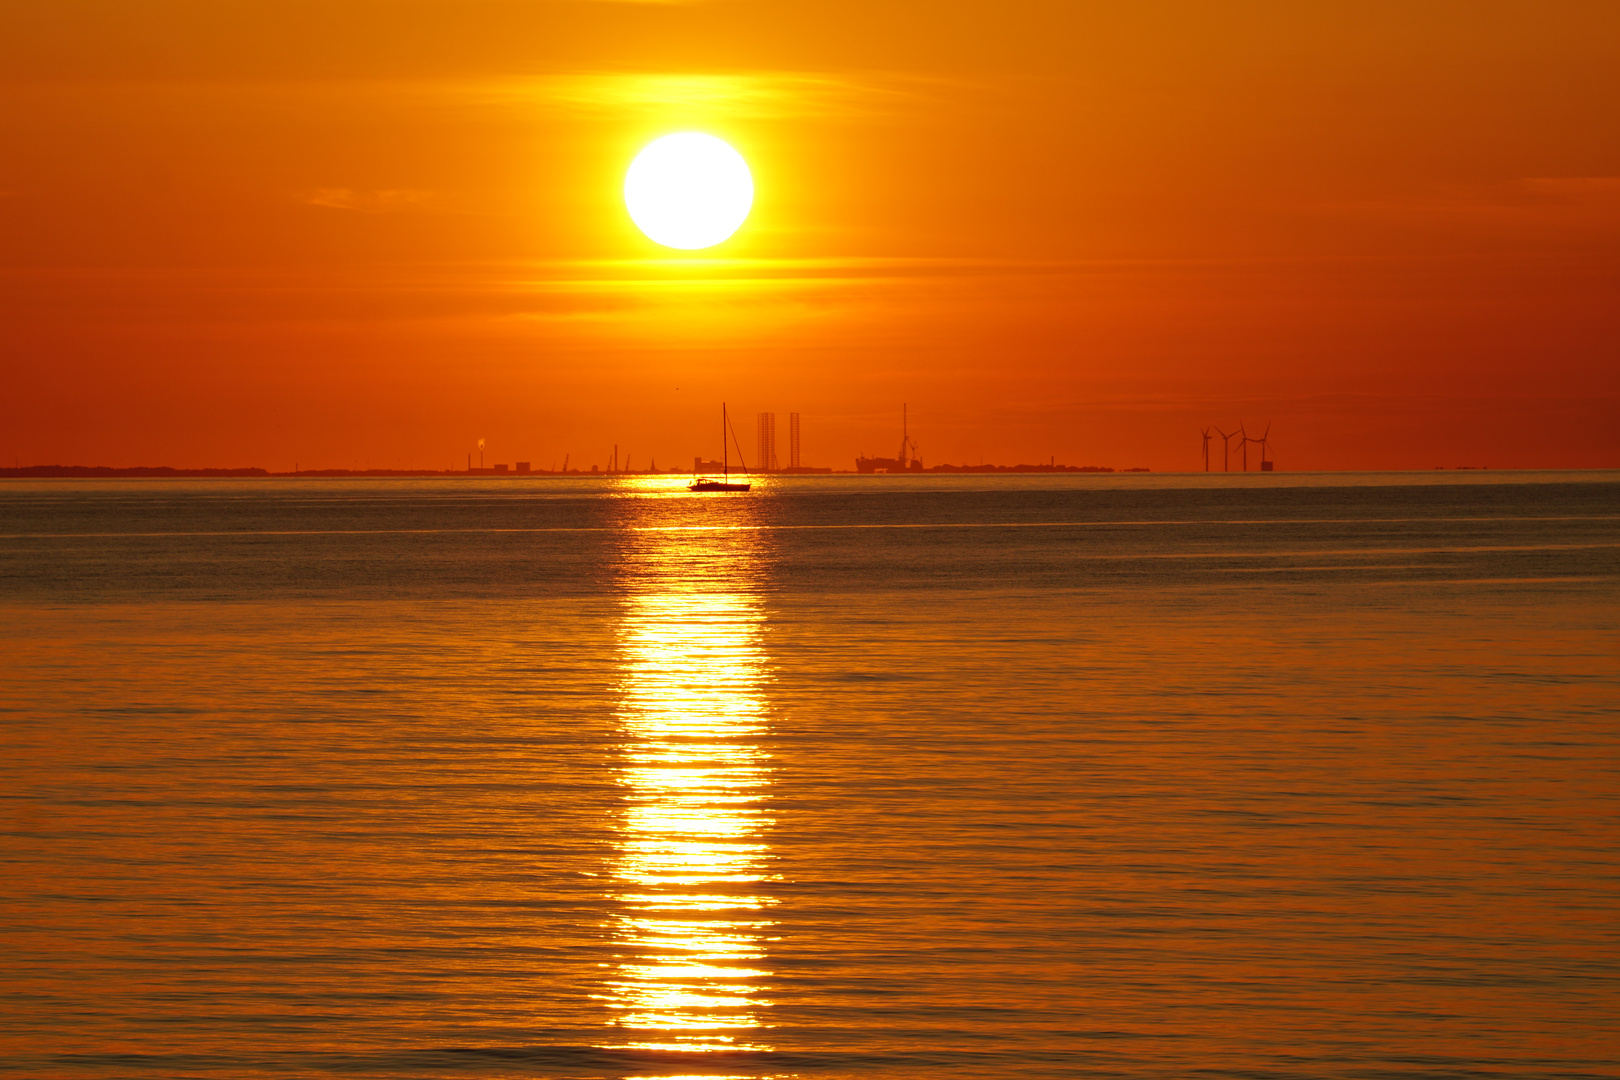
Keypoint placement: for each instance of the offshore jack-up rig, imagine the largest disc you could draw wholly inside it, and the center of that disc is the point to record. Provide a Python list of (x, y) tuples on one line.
[(905, 461)]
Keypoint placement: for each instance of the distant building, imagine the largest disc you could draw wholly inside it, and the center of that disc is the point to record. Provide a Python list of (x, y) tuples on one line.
[(523, 467), (701, 466), (500, 468)]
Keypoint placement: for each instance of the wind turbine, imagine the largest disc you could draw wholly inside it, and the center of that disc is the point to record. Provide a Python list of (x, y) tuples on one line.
[(1262, 440), (1206, 449), (1243, 445), (1226, 450)]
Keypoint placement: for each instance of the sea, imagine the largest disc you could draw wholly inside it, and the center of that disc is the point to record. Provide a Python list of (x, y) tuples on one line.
[(946, 776)]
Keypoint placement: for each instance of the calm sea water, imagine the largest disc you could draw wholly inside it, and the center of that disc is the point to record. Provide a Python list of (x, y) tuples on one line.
[(882, 777)]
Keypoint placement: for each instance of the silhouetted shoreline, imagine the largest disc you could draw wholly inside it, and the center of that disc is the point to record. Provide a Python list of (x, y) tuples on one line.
[(99, 472)]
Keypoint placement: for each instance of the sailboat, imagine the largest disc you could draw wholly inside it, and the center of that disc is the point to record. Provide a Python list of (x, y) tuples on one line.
[(699, 484)]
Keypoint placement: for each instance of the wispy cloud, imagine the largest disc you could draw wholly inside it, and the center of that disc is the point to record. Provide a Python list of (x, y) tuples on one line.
[(755, 96), (1571, 204), (1584, 188), (384, 201)]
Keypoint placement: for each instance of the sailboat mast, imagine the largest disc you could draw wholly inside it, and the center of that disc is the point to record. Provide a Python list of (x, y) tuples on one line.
[(725, 450)]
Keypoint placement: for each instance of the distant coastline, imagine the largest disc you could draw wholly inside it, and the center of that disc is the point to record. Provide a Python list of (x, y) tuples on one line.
[(108, 472)]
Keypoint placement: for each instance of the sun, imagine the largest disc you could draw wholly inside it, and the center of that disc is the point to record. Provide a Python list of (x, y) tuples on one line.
[(688, 190)]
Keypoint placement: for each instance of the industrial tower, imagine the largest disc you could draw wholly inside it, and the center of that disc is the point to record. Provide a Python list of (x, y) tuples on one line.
[(767, 443)]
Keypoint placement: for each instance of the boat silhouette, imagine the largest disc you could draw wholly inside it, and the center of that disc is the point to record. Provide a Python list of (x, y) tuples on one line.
[(724, 484)]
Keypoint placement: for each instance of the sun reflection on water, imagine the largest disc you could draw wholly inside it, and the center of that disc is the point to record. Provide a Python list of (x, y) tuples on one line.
[(692, 850)]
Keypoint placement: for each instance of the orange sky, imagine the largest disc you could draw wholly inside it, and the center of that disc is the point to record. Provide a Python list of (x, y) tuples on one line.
[(352, 232)]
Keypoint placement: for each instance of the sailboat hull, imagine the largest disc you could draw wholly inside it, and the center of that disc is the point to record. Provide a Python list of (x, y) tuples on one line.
[(725, 462)]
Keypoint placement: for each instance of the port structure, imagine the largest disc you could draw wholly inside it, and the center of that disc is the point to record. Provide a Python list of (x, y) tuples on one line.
[(906, 460)]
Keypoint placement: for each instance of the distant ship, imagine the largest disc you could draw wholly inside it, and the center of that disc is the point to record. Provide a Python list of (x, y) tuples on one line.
[(905, 461)]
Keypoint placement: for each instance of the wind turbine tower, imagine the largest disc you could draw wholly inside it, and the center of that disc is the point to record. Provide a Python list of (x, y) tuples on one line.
[(1206, 449), (1226, 449), (1263, 440)]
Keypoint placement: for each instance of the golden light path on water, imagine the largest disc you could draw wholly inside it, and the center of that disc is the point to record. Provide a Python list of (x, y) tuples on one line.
[(692, 853)]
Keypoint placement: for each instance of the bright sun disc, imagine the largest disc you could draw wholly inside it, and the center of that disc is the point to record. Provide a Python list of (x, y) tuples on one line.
[(688, 191)]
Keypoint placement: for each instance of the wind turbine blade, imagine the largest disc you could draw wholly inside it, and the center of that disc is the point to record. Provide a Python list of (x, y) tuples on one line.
[(1268, 429)]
